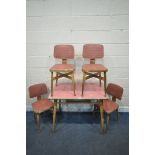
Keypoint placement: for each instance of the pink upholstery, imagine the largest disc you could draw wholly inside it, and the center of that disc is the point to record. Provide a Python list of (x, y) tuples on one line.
[(62, 67), (42, 105), (109, 106), (65, 91), (37, 90), (94, 68), (115, 90), (64, 51), (93, 51)]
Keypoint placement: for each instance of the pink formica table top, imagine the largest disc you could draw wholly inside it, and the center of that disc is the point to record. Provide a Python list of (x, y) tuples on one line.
[(91, 91)]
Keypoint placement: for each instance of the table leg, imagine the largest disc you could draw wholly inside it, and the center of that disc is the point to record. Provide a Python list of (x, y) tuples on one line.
[(102, 115), (54, 115)]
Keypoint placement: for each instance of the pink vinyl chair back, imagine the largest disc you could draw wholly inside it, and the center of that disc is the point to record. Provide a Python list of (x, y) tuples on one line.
[(93, 51), (64, 52), (37, 90), (115, 91)]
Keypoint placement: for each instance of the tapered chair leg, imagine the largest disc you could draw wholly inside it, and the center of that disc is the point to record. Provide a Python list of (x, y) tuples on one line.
[(73, 81), (117, 115), (100, 78), (105, 82), (83, 83), (107, 121), (56, 78), (34, 116), (51, 83), (38, 121)]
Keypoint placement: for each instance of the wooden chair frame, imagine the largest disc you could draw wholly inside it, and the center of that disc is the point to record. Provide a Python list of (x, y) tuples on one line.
[(37, 115), (97, 74), (38, 96), (63, 73)]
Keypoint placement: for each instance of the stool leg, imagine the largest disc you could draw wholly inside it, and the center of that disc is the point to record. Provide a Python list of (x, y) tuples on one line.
[(83, 82), (105, 81), (51, 83)]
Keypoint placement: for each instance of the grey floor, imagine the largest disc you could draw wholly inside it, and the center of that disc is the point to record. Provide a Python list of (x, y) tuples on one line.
[(77, 134)]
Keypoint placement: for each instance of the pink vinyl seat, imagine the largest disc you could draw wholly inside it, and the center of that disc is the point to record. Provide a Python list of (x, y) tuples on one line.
[(94, 68), (41, 105), (63, 52), (110, 105), (62, 67), (92, 52)]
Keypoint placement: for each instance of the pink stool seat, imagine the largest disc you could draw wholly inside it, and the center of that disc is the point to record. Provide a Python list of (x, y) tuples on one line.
[(62, 67), (94, 68)]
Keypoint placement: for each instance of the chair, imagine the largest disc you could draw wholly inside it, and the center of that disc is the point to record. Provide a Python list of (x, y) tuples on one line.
[(63, 52), (92, 52), (41, 105), (110, 105)]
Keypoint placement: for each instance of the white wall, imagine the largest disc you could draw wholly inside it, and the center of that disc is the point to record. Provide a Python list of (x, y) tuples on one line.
[(76, 22)]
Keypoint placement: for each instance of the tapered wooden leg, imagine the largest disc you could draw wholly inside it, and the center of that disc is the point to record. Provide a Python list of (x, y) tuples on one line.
[(102, 116), (107, 121), (117, 114), (38, 121), (56, 78), (54, 116), (34, 115), (51, 83), (105, 82), (100, 78), (73, 81), (83, 82)]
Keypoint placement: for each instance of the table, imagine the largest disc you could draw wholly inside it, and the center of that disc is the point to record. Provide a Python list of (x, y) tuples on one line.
[(92, 91)]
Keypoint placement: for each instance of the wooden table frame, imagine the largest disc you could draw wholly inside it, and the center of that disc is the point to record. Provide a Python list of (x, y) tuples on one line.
[(99, 101), (64, 92)]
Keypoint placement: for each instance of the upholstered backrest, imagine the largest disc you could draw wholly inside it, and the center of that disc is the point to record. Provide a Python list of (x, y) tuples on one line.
[(114, 90), (64, 52), (93, 51), (37, 90)]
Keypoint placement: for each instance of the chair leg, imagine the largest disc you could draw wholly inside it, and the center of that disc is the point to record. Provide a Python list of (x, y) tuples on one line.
[(51, 83), (100, 78), (107, 121), (105, 81), (56, 78), (34, 115), (94, 110), (83, 82), (117, 114), (38, 121), (73, 81)]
